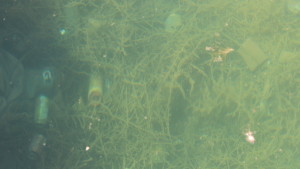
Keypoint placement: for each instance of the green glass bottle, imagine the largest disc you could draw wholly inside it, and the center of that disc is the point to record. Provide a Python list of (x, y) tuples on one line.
[(41, 109)]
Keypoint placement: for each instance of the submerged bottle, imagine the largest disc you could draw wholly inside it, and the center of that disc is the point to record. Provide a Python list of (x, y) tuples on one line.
[(41, 109), (36, 147), (95, 90), (41, 81)]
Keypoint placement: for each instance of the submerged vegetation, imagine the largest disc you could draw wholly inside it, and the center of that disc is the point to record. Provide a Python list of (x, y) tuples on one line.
[(182, 83), (170, 102)]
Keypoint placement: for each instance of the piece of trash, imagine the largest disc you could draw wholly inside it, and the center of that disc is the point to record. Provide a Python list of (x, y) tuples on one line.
[(287, 57), (62, 31), (173, 23), (250, 137), (252, 54)]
